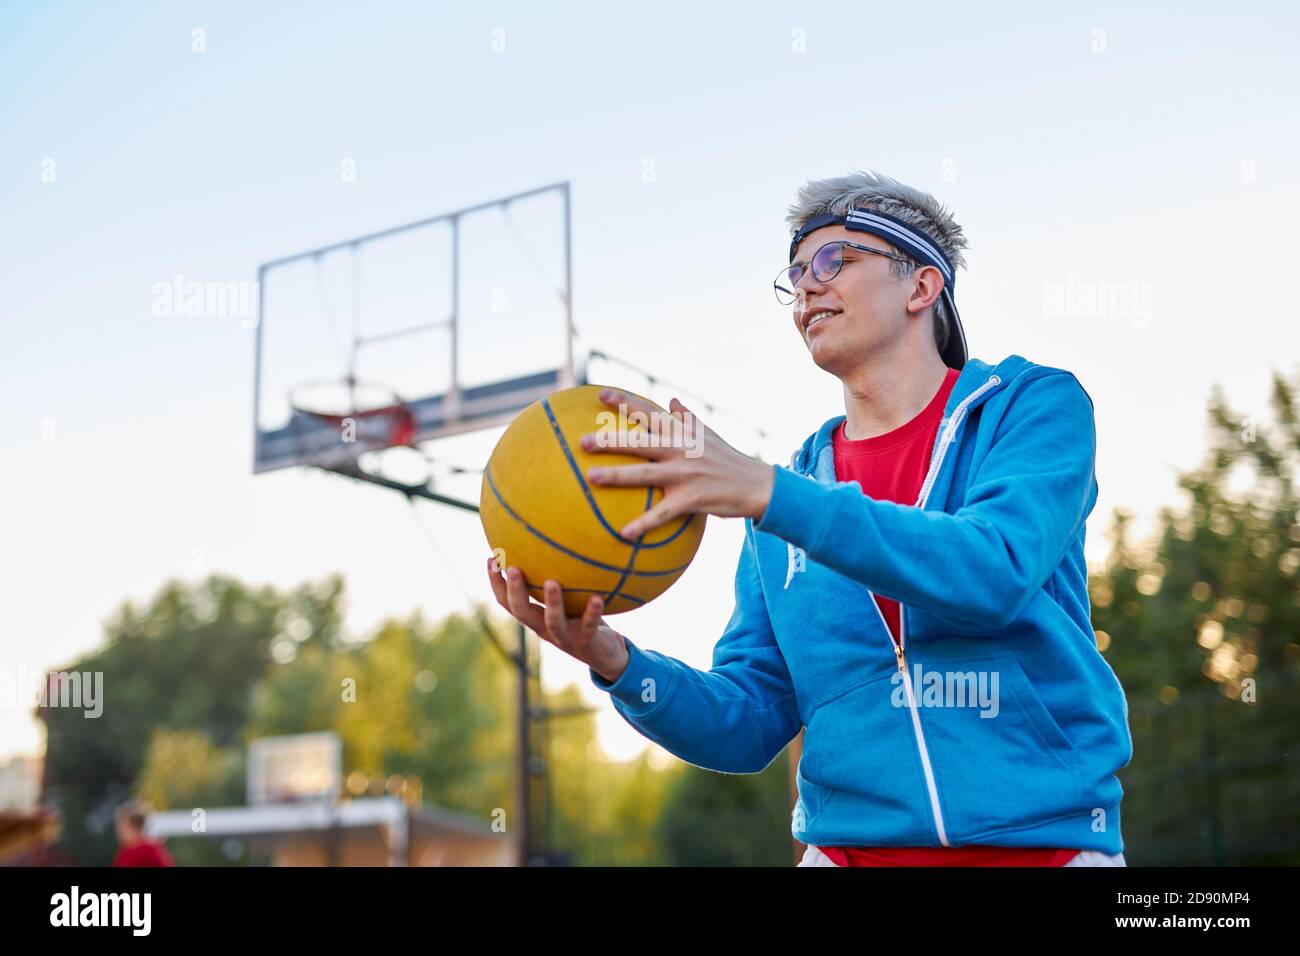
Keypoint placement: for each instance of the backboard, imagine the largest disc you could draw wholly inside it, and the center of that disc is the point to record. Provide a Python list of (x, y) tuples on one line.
[(295, 767), (439, 327)]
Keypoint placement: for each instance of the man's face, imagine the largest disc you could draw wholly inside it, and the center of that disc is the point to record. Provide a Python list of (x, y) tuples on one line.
[(868, 303)]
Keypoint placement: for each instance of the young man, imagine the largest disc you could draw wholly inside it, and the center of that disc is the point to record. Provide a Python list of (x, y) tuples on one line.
[(911, 589), (134, 847)]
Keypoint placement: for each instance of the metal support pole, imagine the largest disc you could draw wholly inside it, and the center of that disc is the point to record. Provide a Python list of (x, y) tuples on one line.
[(453, 393), (568, 291), (257, 359), (524, 815), (399, 834), (333, 837)]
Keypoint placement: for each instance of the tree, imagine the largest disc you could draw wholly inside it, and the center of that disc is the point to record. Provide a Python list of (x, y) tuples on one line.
[(720, 819), (1201, 626), (187, 661)]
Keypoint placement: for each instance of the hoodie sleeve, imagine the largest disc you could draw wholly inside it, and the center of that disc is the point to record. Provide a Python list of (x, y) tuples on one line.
[(980, 567), (733, 718)]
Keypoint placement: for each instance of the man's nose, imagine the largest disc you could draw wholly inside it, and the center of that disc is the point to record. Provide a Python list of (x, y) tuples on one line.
[(808, 285)]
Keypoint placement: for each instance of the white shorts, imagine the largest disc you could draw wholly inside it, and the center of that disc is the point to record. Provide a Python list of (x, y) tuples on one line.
[(815, 857)]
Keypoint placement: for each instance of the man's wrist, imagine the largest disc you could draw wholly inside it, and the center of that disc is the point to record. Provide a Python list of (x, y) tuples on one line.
[(617, 666), (764, 481)]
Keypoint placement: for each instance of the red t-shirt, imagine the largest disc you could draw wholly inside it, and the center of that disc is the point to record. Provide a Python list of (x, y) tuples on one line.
[(145, 853), (892, 467)]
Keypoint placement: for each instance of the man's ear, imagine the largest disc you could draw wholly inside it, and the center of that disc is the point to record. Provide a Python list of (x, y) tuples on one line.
[(926, 291)]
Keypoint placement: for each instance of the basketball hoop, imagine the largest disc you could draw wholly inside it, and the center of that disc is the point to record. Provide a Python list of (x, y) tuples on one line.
[(336, 421)]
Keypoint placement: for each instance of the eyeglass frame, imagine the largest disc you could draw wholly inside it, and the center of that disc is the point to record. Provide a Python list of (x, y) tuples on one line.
[(807, 266)]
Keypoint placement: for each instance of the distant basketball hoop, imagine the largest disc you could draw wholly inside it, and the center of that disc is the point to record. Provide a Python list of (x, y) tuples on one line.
[(335, 422), (295, 768)]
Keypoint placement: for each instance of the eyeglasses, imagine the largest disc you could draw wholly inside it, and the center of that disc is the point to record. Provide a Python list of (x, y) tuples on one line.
[(826, 264)]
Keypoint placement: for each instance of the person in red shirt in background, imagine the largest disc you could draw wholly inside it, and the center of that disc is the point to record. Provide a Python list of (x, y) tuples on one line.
[(134, 848)]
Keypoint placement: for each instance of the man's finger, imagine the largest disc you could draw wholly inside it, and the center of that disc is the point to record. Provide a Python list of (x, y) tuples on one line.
[(591, 616), (661, 513), (654, 450), (554, 613), (652, 417), (498, 582), (614, 398), (521, 606), (656, 475), (690, 422)]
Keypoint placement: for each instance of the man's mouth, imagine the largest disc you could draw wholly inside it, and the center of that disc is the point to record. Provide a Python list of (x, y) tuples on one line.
[(815, 316)]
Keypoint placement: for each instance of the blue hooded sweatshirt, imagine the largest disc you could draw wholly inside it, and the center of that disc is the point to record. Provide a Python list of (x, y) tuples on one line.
[(997, 722)]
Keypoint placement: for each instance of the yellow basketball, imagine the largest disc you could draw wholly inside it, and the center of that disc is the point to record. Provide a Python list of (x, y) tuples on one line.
[(542, 515)]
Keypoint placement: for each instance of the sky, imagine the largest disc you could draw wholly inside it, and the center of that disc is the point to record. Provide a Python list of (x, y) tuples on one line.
[(1141, 157)]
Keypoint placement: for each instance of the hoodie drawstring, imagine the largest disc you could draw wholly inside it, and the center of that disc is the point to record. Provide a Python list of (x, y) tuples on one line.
[(794, 562)]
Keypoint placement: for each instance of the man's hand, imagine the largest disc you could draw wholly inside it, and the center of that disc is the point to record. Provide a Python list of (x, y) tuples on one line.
[(698, 471), (588, 638)]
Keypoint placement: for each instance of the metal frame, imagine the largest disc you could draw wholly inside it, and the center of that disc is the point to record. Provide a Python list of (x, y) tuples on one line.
[(453, 412)]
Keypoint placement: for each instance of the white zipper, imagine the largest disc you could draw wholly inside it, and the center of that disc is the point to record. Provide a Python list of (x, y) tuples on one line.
[(958, 414), (917, 733), (899, 648)]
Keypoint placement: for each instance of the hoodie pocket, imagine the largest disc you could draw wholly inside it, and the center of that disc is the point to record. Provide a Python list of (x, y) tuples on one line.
[(1001, 761), (861, 762)]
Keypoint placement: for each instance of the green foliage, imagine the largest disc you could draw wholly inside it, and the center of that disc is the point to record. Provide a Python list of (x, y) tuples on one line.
[(183, 769), (597, 812), (719, 819), (301, 696), (1201, 626), (434, 704)]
